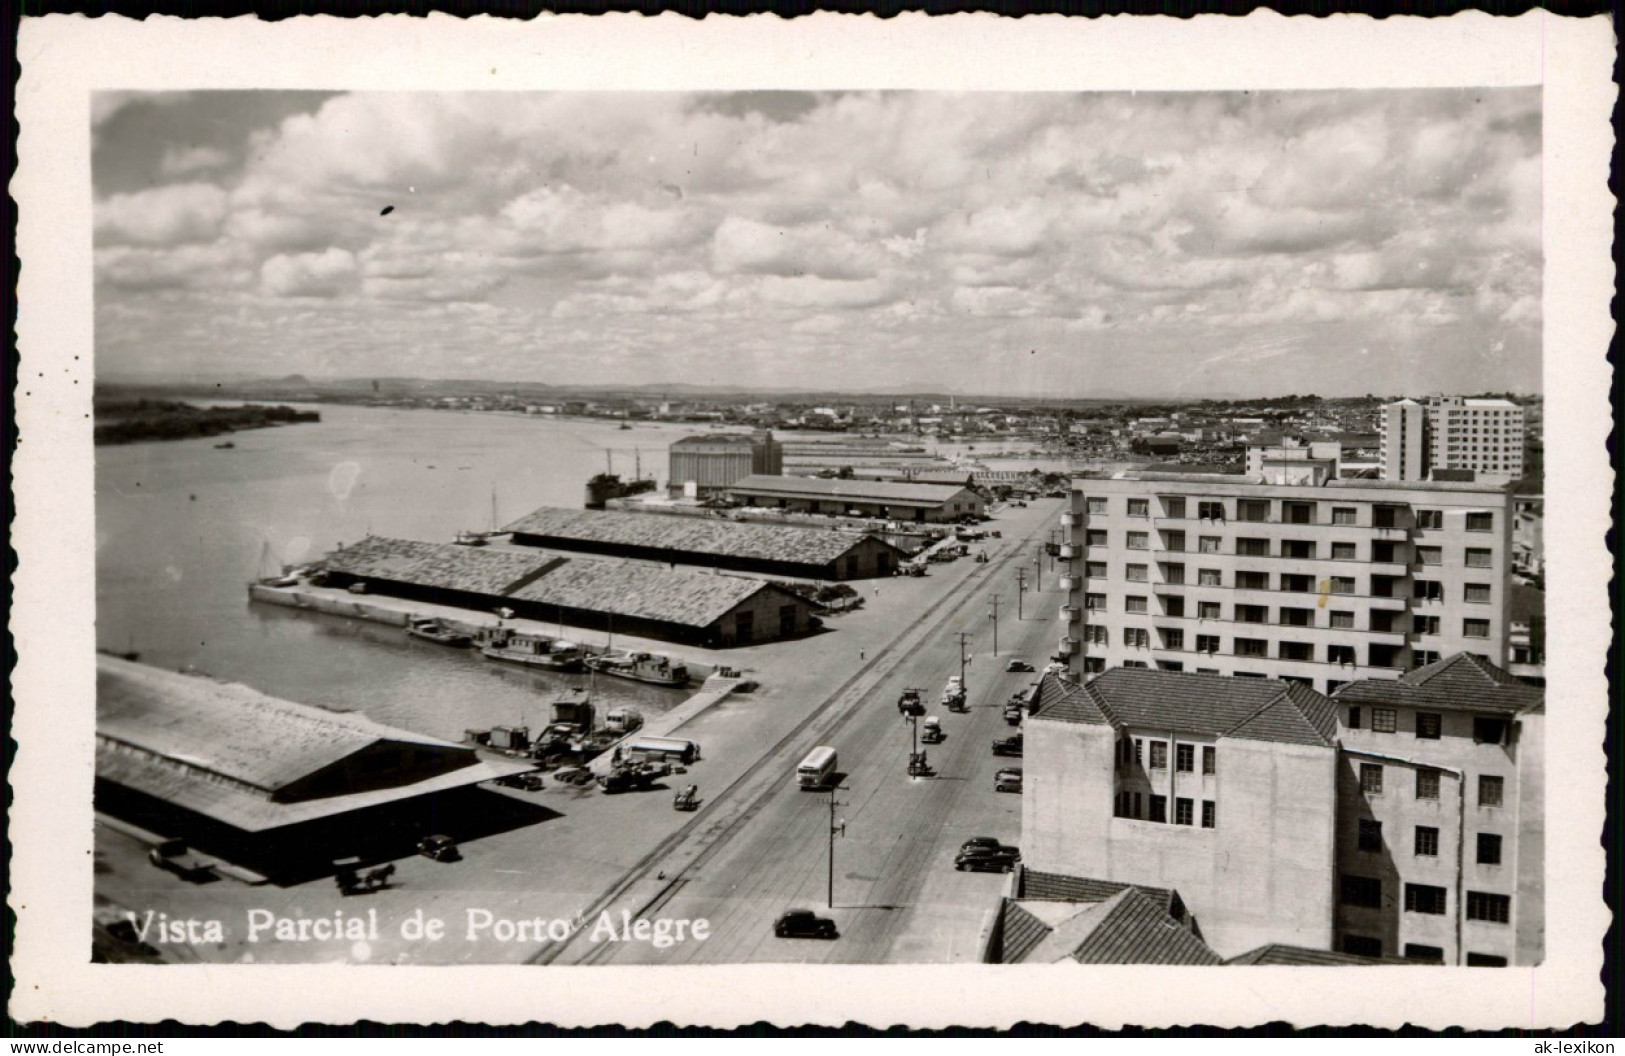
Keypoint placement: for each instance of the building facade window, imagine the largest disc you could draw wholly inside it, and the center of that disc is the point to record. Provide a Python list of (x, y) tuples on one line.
[(1094, 602), (1340, 654), (1343, 515), (1208, 610), (1096, 506), (1424, 625), (1301, 549), (1362, 945), (1252, 647), (1208, 577), (1478, 593), (1135, 603), (1296, 583), (1370, 836), (1428, 725), (1489, 848), (1207, 544), (1096, 634), (1172, 605), (1343, 552), (1139, 508), (1428, 590), (1210, 759), (1495, 909), (1173, 540), (1210, 511), (1095, 537), (1481, 521), (1488, 730), (1252, 613), (1371, 779), (1185, 758), (1291, 617), (1207, 643), (1138, 541), (1342, 619), (1360, 891), (1303, 651), (1252, 581), (1354, 717), (1174, 506), (1159, 755), (1477, 558), (1485, 960), (1136, 573), (1252, 510), (1425, 898), (1430, 555), (1184, 811), (1384, 720), (1490, 789), (1427, 842), (1173, 573), (1136, 638), (1095, 569), (1159, 809), (1427, 784), (1210, 814), (1415, 951), (1430, 520), (1172, 637), (1253, 547), (1342, 585)]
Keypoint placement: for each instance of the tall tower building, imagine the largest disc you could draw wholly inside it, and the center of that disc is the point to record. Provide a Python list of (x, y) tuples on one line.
[(1484, 436), (1404, 441)]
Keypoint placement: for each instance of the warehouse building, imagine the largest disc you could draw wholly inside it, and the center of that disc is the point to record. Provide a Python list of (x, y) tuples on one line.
[(278, 787), (920, 503), (711, 542), (710, 462), (698, 608)]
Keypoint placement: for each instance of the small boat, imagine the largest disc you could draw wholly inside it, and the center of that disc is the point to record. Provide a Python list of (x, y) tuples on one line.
[(228, 445), (471, 539), (533, 650), (640, 667), (434, 629)]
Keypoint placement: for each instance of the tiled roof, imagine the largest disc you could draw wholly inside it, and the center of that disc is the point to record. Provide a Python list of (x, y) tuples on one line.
[(1064, 702), (1302, 956), (477, 570), (1463, 682), (1135, 930), (1022, 931), (691, 535), (1060, 887), (1216, 705), (857, 490), (694, 599)]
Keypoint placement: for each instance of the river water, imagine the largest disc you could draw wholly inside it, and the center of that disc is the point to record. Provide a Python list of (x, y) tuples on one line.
[(182, 526)]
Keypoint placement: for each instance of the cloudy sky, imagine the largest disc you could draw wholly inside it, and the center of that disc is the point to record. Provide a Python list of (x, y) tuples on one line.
[(1066, 244)]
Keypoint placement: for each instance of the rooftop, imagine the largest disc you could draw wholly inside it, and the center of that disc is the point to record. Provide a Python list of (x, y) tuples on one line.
[(1302, 956), (1114, 924), (1155, 476), (743, 439), (1463, 682), (477, 570), (696, 535), (1252, 709), (846, 489)]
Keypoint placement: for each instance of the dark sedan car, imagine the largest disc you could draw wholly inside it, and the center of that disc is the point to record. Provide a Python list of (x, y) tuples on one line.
[(1018, 665), (803, 924), (1008, 746), (1001, 860)]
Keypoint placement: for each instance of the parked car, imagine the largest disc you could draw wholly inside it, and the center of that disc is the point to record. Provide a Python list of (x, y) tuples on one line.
[(803, 924), (440, 848), (1008, 746), (977, 844), (1002, 860), (1018, 664), (1007, 780), (179, 859)]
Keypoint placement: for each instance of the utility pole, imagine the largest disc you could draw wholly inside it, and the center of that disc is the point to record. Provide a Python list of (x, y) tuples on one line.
[(1021, 588), (1038, 568), (994, 616), (962, 636), (834, 830)]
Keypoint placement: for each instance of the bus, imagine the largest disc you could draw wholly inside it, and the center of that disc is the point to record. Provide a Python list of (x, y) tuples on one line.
[(817, 771)]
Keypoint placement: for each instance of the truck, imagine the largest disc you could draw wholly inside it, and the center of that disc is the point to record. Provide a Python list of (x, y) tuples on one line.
[(672, 747), (909, 703), (817, 770), (633, 776)]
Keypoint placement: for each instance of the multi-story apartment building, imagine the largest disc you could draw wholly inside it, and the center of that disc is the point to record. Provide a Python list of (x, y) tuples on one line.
[(1222, 788), (1440, 850), (1322, 585), (713, 461), (1485, 436), (1401, 818)]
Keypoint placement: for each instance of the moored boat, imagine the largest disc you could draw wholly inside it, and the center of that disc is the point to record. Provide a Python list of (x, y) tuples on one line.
[(534, 650), (640, 667), (434, 629)]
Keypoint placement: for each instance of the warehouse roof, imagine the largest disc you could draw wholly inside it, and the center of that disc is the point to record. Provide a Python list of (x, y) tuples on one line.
[(697, 535), (857, 490), (478, 570), (1463, 682), (225, 750), (1126, 927), (1252, 709), (1303, 957), (694, 599), (743, 439)]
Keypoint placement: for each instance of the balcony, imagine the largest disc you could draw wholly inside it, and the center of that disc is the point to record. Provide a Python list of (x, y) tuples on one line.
[(1069, 551), (1069, 646), (1070, 614), (1068, 519), (1071, 583)]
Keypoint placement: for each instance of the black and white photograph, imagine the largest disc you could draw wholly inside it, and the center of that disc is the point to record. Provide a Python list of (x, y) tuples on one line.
[(1070, 529)]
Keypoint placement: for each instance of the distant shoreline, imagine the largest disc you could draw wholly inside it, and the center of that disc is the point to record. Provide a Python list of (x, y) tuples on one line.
[(135, 421)]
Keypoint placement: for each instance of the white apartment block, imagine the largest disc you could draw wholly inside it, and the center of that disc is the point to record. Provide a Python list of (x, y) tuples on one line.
[(1453, 433), (1320, 584)]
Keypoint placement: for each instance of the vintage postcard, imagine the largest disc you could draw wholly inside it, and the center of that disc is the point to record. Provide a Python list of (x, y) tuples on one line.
[(940, 521)]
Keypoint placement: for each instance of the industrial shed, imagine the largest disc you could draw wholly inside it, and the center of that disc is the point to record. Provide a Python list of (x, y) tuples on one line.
[(921, 503), (270, 784), (774, 550), (677, 605)]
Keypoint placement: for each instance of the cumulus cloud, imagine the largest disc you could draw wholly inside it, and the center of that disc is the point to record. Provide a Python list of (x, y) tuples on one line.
[(326, 274), (729, 234)]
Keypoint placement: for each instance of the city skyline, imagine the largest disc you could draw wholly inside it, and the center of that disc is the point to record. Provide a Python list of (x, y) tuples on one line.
[(1014, 245)]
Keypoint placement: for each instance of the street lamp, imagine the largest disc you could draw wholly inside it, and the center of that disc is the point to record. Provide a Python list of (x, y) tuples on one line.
[(834, 830), (993, 615)]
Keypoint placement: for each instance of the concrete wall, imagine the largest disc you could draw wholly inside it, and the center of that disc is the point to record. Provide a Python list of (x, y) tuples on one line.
[(1529, 905), (762, 611)]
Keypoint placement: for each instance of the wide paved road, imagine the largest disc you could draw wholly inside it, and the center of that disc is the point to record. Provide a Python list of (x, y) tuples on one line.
[(897, 896)]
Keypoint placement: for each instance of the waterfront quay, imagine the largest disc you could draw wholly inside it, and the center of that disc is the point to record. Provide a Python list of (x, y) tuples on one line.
[(562, 858)]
